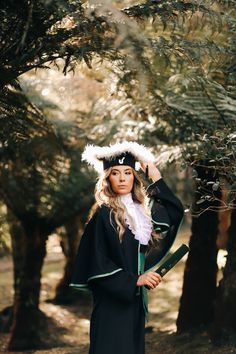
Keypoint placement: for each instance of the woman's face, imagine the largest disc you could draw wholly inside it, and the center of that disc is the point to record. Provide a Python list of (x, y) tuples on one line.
[(121, 179)]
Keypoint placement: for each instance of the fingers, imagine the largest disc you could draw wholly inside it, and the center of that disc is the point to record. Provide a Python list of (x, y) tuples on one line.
[(153, 279), (150, 279), (143, 166), (155, 276)]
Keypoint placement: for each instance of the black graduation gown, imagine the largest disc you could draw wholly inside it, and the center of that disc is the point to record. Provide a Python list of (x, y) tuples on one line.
[(110, 269)]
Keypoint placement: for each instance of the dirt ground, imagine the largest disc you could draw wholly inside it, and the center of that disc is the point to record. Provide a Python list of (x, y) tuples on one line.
[(68, 326)]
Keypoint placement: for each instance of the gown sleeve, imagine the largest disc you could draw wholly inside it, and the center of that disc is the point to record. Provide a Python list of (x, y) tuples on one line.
[(167, 215), (95, 266)]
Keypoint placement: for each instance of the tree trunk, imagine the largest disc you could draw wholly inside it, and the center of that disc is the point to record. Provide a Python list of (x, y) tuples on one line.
[(17, 233), (199, 287), (26, 313), (70, 241), (225, 309), (17, 243)]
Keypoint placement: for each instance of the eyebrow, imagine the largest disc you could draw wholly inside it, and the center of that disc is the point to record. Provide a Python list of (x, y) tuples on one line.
[(115, 169)]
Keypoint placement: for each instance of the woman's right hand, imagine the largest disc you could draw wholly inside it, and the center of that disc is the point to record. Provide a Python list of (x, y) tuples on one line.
[(151, 279)]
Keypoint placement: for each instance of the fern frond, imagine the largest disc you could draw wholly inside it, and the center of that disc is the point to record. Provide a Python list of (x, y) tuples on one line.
[(206, 100), (172, 13)]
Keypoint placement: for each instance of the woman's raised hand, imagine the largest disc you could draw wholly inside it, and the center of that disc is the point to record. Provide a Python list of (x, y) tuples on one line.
[(151, 279), (153, 171)]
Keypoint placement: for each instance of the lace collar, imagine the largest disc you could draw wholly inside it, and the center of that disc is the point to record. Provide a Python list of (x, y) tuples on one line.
[(137, 219)]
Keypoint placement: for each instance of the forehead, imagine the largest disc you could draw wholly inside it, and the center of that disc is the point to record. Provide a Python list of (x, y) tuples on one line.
[(121, 168)]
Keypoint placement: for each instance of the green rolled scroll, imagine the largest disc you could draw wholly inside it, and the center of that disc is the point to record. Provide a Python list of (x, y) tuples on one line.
[(172, 260)]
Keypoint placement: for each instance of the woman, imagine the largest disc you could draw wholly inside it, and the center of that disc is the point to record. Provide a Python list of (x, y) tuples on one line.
[(122, 243)]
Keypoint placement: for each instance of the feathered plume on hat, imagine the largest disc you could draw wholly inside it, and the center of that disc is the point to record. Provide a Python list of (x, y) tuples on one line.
[(126, 153)]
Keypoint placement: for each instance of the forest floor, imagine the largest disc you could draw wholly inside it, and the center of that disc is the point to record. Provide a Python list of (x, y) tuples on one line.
[(68, 325)]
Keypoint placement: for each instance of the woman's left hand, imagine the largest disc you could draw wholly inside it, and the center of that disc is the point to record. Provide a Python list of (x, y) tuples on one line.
[(153, 171)]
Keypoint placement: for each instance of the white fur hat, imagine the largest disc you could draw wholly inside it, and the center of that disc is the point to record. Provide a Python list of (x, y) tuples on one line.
[(96, 155)]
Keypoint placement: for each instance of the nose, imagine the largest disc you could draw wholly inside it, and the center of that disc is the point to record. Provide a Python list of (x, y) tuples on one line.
[(122, 177)]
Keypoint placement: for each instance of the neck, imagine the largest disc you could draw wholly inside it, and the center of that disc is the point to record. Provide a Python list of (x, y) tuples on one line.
[(126, 199), (126, 195)]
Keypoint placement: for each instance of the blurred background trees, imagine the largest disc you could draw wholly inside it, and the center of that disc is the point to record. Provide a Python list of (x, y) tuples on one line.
[(161, 73)]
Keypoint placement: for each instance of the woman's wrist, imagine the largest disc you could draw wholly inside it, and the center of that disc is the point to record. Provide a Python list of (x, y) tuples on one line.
[(155, 177)]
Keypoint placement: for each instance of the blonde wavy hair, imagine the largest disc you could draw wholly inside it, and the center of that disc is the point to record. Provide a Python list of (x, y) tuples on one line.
[(104, 194)]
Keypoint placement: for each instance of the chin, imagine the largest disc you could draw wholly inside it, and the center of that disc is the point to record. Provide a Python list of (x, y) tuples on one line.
[(123, 192)]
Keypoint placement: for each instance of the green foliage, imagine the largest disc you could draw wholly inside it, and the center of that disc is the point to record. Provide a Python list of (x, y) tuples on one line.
[(35, 33), (174, 65), (40, 175), (21, 123), (216, 152)]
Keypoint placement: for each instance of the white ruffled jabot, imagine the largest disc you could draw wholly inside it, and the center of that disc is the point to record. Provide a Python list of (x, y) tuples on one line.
[(137, 220)]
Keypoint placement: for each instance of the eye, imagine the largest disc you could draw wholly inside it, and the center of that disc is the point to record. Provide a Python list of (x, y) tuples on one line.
[(114, 173), (128, 173)]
